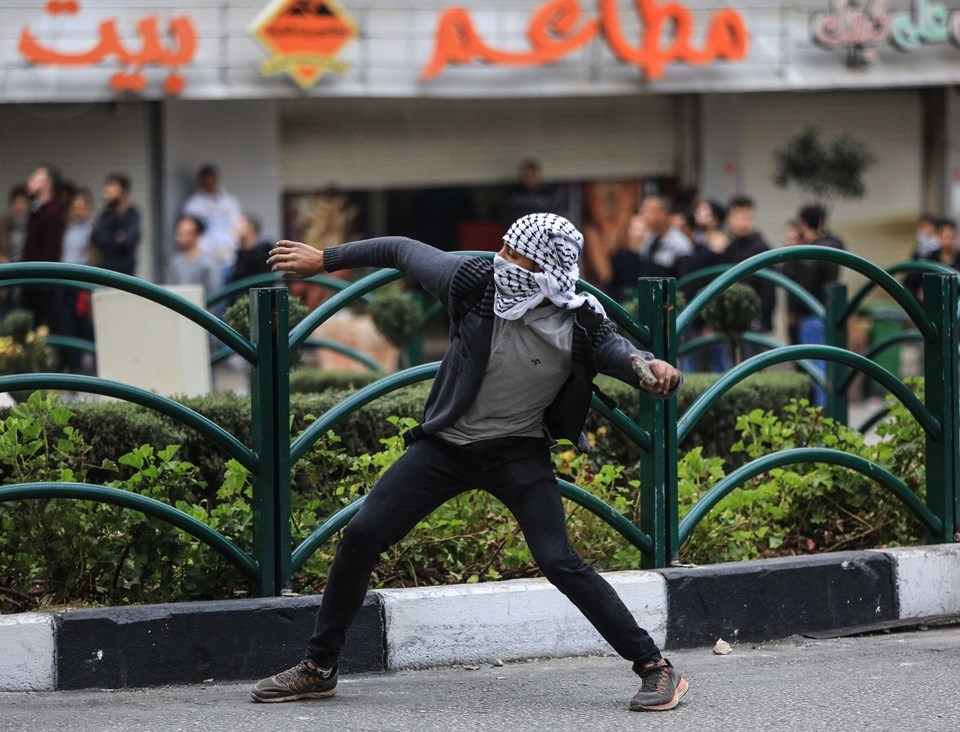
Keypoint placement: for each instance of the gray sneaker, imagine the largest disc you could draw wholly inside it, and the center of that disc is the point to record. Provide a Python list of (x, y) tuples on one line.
[(303, 681), (661, 689)]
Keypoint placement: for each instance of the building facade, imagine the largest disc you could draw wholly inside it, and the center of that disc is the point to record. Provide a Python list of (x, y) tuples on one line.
[(362, 117)]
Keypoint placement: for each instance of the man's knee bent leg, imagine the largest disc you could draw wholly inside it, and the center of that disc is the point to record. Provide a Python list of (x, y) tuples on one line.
[(558, 565), (363, 539)]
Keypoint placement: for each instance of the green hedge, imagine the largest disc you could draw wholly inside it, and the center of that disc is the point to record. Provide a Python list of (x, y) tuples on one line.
[(317, 381), (114, 428), (119, 556), (716, 431)]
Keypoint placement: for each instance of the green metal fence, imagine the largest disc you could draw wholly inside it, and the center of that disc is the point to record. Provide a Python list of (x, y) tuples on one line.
[(936, 324), (653, 425)]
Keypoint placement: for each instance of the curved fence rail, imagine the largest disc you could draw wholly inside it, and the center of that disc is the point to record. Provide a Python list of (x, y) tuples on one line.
[(655, 427)]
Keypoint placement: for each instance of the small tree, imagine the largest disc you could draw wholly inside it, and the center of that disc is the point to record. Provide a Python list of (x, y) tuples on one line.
[(827, 171), (396, 316), (731, 314)]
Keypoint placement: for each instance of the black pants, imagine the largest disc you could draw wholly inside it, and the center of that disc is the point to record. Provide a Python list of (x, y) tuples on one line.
[(518, 472)]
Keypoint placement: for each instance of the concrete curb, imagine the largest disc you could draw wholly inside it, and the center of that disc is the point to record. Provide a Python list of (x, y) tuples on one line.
[(510, 620), (775, 598), (396, 629), (28, 652)]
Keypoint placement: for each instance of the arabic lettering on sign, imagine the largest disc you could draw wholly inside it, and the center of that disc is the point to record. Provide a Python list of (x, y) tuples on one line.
[(559, 27), (110, 46), (864, 26)]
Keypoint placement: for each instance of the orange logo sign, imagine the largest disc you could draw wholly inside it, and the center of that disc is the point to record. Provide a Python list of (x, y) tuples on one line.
[(109, 46), (558, 28), (303, 38)]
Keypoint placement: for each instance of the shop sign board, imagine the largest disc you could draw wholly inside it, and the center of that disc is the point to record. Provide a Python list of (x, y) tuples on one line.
[(559, 27), (303, 38), (860, 27), (83, 50)]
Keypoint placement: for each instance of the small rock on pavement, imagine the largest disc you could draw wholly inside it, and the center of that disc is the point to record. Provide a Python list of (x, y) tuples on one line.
[(722, 648)]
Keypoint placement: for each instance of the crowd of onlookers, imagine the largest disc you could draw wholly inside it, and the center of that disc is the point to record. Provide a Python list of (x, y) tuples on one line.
[(667, 240), (936, 242), (50, 219)]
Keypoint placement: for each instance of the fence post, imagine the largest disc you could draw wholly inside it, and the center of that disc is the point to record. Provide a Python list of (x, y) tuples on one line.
[(942, 389), (659, 518), (270, 434), (836, 405)]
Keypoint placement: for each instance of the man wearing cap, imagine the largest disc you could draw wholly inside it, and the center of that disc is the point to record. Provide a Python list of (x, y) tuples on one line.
[(518, 374)]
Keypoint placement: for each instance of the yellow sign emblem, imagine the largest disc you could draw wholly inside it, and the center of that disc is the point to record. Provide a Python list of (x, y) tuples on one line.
[(303, 38)]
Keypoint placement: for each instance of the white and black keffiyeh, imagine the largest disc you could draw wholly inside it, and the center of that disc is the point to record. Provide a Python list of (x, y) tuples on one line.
[(553, 243)]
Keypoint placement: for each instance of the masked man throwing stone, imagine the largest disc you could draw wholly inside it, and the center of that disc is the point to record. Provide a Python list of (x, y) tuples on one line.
[(518, 375)]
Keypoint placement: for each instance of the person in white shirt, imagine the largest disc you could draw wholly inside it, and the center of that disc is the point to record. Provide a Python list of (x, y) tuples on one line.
[(219, 211)]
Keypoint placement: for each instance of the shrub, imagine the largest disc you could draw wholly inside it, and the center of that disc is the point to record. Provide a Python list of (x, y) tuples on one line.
[(115, 428), (23, 350), (237, 316), (59, 550), (805, 508), (316, 381), (826, 171), (396, 316), (716, 433), (62, 550)]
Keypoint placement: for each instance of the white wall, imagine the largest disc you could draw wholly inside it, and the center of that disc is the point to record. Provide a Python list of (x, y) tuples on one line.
[(386, 143), (878, 226)]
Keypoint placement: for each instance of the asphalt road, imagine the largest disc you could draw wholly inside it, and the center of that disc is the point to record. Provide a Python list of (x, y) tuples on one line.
[(897, 681)]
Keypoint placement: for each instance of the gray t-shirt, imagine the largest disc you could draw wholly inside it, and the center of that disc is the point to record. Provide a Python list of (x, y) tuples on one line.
[(529, 361), (201, 269)]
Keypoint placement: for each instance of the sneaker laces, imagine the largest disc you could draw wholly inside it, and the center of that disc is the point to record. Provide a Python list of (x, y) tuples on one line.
[(297, 671), (655, 678)]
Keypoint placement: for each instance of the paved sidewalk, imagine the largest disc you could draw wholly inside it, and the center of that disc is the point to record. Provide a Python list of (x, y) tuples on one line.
[(892, 682)]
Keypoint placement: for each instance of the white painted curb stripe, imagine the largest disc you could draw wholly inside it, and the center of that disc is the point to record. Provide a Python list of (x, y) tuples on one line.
[(27, 652), (510, 620), (928, 579)]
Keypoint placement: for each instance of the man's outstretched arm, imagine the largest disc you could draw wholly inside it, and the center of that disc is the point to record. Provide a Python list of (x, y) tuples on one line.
[(432, 268)]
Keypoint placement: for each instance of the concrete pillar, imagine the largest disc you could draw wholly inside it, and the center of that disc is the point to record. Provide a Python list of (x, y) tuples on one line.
[(720, 130), (951, 173)]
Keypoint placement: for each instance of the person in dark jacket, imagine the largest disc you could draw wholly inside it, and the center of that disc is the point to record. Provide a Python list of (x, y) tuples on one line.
[(252, 251), (116, 232), (946, 253), (44, 243), (814, 276), (525, 349), (745, 241)]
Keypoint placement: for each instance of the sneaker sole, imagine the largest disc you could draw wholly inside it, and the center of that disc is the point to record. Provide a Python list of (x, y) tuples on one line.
[(293, 697), (682, 688)]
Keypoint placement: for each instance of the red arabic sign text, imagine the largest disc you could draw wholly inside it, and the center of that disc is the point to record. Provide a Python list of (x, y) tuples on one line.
[(558, 27), (110, 46)]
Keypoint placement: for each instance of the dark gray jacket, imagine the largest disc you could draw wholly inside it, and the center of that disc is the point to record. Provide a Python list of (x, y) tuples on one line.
[(464, 285)]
